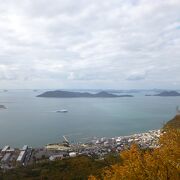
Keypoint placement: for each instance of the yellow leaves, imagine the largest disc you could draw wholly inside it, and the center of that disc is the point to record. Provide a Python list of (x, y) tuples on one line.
[(170, 150), (92, 177), (159, 164)]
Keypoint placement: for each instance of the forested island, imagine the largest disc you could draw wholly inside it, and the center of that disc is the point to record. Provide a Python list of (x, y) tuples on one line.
[(68, 94), (2, 107), (166, 94)]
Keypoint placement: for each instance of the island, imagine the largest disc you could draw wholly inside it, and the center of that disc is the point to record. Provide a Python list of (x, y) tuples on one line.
[(166, 94), (68, 94), (2, 107)]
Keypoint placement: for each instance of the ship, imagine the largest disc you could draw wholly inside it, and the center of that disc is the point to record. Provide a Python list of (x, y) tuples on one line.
[(62, 111)]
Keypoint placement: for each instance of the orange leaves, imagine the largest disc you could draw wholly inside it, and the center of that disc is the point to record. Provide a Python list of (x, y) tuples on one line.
[(161, 163), (92, 177)]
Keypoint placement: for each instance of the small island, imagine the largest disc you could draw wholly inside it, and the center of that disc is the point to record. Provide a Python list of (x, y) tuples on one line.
[(166, 94), (2, 107), (68, 94)]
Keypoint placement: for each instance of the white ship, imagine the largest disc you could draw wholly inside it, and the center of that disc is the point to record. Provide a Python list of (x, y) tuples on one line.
[(62, 111)]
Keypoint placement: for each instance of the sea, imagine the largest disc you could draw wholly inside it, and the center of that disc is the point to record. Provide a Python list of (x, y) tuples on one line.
[(34, 121)]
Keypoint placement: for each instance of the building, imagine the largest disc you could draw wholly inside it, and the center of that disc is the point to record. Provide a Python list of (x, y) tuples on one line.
[(5, 148), (72, 154), (10, 150), (177, 110), (25, 147), (55, 157), (21, 157), (6, 158)]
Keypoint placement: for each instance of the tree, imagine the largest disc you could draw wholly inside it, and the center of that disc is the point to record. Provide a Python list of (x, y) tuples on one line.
[(162, 163)]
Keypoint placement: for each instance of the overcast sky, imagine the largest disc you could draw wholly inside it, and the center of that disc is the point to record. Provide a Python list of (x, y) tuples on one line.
[(120, 44)]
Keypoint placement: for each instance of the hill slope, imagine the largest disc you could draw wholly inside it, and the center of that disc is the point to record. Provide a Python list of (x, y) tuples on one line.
[(68, 94), (173, 123), (168, 93), (73, 168)]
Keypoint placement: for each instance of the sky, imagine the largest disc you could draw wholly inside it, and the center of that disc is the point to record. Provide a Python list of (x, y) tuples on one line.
[(120, 44)]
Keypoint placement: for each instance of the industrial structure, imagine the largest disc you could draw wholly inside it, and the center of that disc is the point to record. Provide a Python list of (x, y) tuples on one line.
[(22, 155), (177, 110)]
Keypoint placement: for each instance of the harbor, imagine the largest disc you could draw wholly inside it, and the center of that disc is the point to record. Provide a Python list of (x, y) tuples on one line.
[(97, 147)]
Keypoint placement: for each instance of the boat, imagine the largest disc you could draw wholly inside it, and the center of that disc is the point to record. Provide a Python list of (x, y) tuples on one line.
[(62, 111)]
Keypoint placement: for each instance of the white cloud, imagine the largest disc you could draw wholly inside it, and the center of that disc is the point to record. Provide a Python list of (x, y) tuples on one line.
[(89, 43)]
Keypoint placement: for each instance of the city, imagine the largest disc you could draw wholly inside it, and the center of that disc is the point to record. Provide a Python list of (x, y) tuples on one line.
[(97, 147)]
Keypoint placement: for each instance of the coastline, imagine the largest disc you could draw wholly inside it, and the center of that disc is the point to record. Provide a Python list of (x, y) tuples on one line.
[(98, 147)]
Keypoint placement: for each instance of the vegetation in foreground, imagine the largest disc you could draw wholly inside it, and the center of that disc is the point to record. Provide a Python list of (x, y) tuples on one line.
[(174, 123), (73, 168), (162, 163)]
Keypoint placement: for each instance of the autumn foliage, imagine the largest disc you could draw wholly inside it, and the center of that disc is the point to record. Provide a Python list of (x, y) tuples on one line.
[(162, 163)]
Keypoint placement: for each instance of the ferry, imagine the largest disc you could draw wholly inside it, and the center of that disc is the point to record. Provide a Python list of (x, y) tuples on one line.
[(62, 111)]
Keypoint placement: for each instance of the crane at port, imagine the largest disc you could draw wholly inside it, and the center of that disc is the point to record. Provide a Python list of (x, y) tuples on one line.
[(65, 142), (177, 110), (65, 139)]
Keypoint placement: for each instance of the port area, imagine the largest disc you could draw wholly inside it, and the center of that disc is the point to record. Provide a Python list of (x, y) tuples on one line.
[(96, 147)]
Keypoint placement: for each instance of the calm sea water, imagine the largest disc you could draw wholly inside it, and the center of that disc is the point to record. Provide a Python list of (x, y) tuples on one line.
[(31, 120)]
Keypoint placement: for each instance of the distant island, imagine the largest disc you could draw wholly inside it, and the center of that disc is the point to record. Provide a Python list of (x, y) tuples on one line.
[(166, 94), (2, 107), (68, 94)]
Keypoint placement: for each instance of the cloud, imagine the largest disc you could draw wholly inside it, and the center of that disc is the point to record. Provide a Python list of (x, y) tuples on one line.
[(136, 76), (89, 43)]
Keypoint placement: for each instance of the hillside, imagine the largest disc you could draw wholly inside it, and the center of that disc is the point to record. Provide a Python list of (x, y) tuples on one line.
[(168, 93), (173, 123), (73, 168), (165, 94), (2, 107), (68, 94)]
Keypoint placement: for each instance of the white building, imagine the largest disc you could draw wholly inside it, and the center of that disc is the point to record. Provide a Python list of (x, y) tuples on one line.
[(21, 156), (6, 158), (25, 147), (54, 157), (5, 148), (72, 154)]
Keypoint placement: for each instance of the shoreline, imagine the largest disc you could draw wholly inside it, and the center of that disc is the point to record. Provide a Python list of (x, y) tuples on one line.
[(98, 147), (88, 139)]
